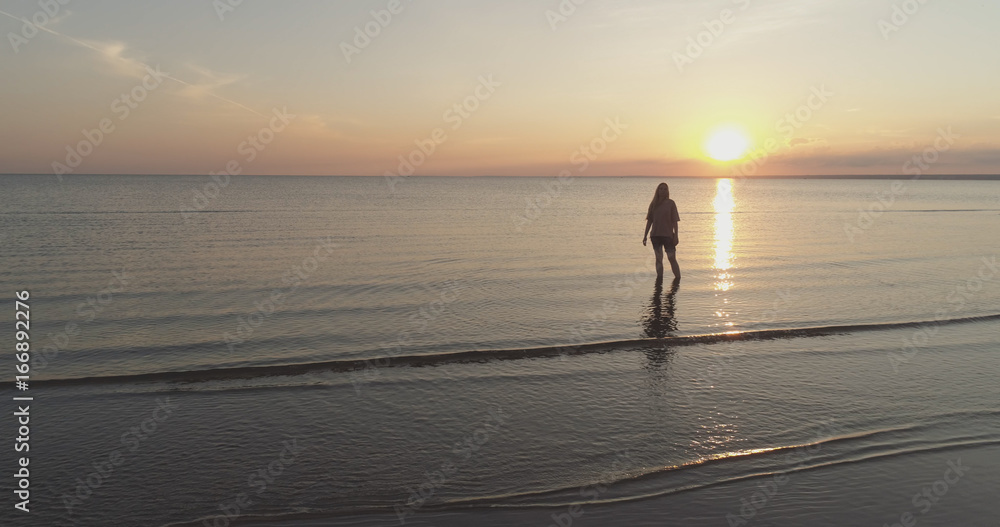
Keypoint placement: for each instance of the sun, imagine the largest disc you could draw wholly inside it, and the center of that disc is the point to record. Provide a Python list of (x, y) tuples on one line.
[(727, 144)]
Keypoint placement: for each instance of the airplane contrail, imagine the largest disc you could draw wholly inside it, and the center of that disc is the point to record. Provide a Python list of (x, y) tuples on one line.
[(101, 51)]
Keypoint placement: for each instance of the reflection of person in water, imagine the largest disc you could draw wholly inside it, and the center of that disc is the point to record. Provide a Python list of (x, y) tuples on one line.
[(658, 321)]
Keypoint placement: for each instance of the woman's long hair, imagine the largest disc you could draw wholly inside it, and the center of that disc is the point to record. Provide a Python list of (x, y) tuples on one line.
[(662, 194)]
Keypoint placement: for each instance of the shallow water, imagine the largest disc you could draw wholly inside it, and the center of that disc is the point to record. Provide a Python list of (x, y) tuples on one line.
[(445, 266)]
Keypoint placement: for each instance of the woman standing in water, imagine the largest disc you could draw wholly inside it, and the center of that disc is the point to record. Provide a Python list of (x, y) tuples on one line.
[(662, 217)]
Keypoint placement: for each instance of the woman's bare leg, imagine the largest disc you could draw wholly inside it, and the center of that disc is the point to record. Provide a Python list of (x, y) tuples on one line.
[(658, 251), (672, 256)]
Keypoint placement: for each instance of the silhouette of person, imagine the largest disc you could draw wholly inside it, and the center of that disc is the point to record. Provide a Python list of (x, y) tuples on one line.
[(662, 218)]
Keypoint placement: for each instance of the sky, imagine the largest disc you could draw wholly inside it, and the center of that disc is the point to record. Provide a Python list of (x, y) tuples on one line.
[(513, 87)]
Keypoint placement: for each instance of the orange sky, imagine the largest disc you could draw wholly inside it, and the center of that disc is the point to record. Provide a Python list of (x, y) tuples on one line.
[(512, 88)]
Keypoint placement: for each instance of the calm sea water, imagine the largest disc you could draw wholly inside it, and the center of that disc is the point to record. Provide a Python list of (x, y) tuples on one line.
[(322, 330)]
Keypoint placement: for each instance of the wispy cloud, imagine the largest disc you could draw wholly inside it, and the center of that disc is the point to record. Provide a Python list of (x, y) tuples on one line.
[(883, 160), (110, 50), (115, 54), (764, 19), (59, 17), (209, 82), (798, 141)]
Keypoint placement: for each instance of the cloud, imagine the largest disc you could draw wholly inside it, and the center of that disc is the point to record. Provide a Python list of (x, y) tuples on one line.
[(112, 53), (60, 17), (315, 125), (819, 161), (490, 140), (888, 161), (636, 167), (802, 141), (761, 20), (209, 82)]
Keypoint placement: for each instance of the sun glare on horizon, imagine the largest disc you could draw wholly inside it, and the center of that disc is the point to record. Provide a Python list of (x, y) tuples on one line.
[(727, 144)]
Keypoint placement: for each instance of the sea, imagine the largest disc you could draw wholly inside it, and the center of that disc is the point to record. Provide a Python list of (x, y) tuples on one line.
[(492, 351)]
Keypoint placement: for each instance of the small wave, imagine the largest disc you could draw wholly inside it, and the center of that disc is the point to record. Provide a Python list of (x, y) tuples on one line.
[(877, 443), (343, 365), (706, 473), (560, 498)]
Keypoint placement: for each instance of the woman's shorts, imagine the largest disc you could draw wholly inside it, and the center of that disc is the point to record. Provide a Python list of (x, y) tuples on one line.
[(665, 243)]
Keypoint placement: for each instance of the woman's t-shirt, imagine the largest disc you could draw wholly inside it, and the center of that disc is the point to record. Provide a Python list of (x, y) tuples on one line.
[(665, 219)]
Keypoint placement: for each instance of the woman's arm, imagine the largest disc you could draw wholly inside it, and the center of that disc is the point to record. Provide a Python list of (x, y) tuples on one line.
[(649, 223)]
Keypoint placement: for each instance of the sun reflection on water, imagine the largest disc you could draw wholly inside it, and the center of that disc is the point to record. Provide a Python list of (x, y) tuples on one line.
[(724, 205)]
